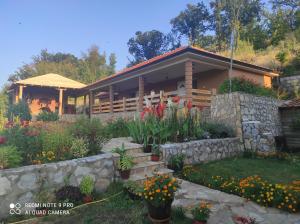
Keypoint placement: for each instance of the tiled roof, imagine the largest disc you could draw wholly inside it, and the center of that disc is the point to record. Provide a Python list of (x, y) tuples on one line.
[(291, 103), (178, 51), (51, 80)]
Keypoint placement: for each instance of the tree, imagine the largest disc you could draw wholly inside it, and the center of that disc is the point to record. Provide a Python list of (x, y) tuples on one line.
[(193, 22), (146, 45)]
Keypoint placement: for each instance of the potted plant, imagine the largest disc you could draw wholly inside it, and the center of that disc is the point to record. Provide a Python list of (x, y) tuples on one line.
[(86, 188), (2, 140), (176, 162), (158, 192), (155, 153), (125, 165), (201, 213), (133, 189)]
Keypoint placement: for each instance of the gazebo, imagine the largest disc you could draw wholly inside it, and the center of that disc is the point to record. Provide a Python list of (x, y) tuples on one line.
[(49, 92)]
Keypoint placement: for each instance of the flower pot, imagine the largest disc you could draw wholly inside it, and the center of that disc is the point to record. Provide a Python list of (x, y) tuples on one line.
[(160, 214), (199, 222), (148, 149), (155, 158), (2, 140), (125, 174), (87, 199)]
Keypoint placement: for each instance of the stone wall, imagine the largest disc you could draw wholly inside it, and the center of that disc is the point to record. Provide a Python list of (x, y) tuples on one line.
[(22, 185), (203, 150), (255, 119), (290, 84), (113, 116)]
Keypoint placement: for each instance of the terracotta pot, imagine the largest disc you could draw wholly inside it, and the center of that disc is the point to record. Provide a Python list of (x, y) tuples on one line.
[(155, 158), (148, 149), (87, 199), (160, 214), (199, 222), (125, 174), (2, 140)]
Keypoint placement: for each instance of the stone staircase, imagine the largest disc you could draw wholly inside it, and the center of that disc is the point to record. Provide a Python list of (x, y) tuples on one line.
[(144, 167)]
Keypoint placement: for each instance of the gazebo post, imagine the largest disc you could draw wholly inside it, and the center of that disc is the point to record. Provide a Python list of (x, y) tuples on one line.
[(60, 104), (21, 92)]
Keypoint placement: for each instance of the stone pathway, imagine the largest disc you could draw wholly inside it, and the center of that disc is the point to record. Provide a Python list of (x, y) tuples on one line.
[(227, 206), (117, 142)]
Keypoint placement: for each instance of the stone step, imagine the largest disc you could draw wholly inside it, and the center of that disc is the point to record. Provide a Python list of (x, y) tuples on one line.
[(141, 157), (140, 178), (146, 167), (131, 151)]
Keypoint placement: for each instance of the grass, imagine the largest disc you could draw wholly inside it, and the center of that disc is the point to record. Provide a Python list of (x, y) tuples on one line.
[(273, 170), (119, 209)]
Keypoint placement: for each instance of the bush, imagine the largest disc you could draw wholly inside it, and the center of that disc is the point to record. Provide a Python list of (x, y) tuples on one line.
[(20, 110), (218, 130), (9, 157), (296, 123), (92, 130), (86, 185), (47, 116), (69, 194), (117, 128), (176, 162), (246, 86), (79, 148)]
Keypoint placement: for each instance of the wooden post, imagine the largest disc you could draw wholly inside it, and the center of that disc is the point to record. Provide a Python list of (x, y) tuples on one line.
[(60, 102), (161, 95), (21, 92), (84, 103), (16, 96), (188, 80), (111, 98), (91, 102), (141, 93), (75, 99), (124, 103), (214, 91)]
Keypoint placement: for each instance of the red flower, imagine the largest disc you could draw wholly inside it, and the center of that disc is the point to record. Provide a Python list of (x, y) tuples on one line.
[(189, 105), (176, 99)]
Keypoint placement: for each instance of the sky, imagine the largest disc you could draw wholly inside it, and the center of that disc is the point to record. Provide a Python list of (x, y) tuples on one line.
[(72, 26)]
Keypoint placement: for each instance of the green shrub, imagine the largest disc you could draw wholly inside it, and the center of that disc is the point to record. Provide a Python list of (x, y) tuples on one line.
[(79, 148), (246, 86), (27, 141), (92, 131), (47, 116), (86, 185), (9, 157), (296, 123), (20, 110), (117, 128), (176, 162), (218, 130)]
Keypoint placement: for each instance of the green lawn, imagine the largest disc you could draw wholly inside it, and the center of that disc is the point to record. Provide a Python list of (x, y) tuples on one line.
[(273, 170), (119, 209)]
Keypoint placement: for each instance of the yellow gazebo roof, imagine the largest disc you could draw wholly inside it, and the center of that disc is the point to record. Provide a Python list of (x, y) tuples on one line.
[(51, 80)]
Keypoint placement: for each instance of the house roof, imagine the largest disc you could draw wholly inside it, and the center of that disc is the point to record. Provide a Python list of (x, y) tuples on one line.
[(176, 52), (51, 80), (291, 103)]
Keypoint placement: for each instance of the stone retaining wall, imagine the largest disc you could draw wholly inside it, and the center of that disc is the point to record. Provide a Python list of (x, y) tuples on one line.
[(113, 116), (203, 150), (255, 119), (22, 185), (290, 84)]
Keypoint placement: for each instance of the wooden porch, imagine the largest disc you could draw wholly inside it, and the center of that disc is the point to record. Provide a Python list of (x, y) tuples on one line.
[(200, 98)]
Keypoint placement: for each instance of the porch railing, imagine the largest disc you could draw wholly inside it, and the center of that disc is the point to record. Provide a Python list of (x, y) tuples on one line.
[(200, 98)]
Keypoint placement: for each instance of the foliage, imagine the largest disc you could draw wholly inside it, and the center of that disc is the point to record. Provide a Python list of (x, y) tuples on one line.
[(79, 148), (193, 22), (69, 194), (92, 130), (87, 69), (133, 187), (117, 128), (176, 162), (9, 157), (47, 116), (217, 130), (3, 108), (160, 189), (20, 110), (201, 212), (146, 45), (26, 139), (155, 150), (246, 86), (239, 177), (87, 185), (125, 162)]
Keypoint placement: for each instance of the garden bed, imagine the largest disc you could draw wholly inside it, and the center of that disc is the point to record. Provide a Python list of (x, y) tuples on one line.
[(270, 182)]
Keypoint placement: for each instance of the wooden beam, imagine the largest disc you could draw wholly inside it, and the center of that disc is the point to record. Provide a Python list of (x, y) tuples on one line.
[(91, 102), (60, 102), (188, 74), (141, 93), (21, 92), (111, 98)]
